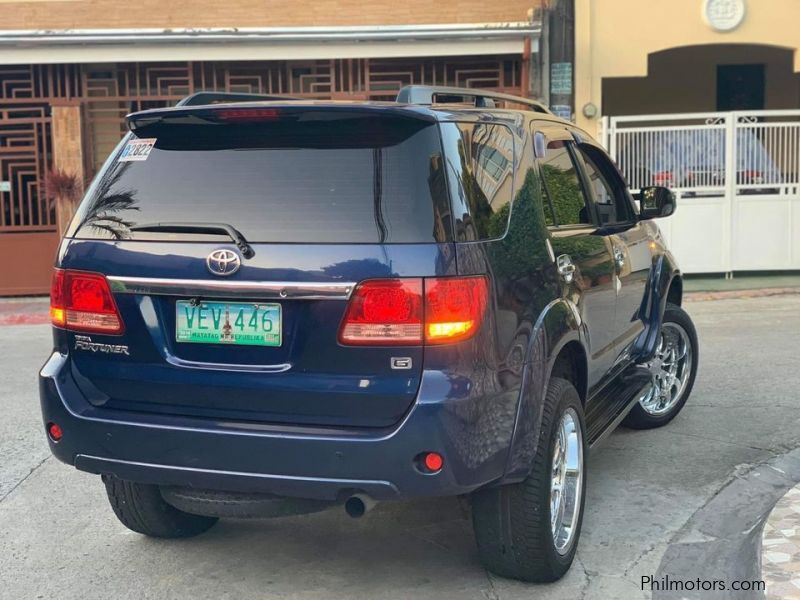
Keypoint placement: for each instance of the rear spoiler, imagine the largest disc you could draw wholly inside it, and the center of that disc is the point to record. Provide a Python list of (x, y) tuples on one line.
[(190, 114)]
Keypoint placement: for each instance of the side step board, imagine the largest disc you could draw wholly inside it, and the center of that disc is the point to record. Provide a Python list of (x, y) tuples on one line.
[(614, 402)]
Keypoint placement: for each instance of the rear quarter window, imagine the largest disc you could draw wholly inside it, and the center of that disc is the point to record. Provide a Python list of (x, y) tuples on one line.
[(319, 179), (480, 158)]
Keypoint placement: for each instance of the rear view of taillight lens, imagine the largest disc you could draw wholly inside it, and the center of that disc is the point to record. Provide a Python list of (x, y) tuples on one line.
[(454, 308), (82, 301), (384, 312), (413, 311)]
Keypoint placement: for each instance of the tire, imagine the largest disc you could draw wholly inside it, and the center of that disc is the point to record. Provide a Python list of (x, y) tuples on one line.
[(141, 508), (512, 522), (640, 417)]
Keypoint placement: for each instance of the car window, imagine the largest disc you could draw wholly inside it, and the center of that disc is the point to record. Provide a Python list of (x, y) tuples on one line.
[(547, 208), (480, 161), (562, 185), (357, 180), (607, 189)]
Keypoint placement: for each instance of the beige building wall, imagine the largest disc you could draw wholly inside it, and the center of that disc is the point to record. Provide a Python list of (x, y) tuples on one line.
[(86, 14), (696, 90), (615, 38)]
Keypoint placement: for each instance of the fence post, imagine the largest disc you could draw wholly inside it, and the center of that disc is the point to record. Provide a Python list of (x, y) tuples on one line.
[(602, 131), (730, 188)]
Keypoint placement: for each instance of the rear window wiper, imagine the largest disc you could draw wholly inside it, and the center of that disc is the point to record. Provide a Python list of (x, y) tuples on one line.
[(211, 228)]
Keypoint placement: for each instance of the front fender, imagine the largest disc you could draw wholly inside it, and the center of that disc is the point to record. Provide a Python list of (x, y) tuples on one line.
[(663, 272), (557, 325)]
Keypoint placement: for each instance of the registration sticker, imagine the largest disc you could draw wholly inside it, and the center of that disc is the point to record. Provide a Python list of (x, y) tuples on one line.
[(137, 150)]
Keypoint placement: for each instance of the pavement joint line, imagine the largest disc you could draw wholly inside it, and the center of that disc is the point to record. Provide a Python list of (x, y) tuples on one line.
[(21, 481), (437, 524), (635, 563), (703, 296), (729, 406), (771, 451), (433, 543), (587, 579)]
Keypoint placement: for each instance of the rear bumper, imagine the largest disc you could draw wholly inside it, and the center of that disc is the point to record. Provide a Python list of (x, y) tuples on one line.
[(473, 433)]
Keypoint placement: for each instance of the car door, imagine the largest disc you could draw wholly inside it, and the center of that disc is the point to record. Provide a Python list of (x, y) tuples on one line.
[(629, 240), (584, 259)]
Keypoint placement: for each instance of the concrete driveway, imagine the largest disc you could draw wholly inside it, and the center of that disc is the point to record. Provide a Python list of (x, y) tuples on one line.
[(59, 538)]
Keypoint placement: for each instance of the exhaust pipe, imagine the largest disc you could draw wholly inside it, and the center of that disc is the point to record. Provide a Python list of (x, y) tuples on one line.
[(359, 505)]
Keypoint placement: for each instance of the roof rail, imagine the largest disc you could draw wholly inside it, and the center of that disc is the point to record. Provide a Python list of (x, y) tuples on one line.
[(429, 94), (199, 98)]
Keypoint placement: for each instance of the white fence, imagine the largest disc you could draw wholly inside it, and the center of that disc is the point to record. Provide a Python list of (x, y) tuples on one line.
[(737, 178)]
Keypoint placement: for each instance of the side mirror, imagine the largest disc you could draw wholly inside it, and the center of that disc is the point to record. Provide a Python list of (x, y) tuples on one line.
[(656, 202)]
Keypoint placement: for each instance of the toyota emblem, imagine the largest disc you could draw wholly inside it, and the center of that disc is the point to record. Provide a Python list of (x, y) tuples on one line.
[(223, 262)]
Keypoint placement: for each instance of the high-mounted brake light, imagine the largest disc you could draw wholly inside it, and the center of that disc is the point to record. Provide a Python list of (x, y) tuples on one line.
[(248, 114), (82, 301), (413, 311)]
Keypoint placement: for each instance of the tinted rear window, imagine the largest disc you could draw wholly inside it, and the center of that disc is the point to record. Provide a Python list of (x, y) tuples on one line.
[(481, 161), (326, 179)]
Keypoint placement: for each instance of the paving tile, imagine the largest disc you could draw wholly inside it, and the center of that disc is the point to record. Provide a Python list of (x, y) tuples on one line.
[(780, 555)]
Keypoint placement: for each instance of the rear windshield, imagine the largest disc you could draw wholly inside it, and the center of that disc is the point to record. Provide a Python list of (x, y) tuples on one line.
[(325, 179)]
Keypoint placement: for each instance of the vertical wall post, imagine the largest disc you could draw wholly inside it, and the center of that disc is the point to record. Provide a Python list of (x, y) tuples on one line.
[(730, 189), (525, 76), (67, 130), (544, 55)]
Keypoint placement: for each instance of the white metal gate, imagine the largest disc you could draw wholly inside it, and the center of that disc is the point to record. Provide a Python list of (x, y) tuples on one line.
[(737, 178)]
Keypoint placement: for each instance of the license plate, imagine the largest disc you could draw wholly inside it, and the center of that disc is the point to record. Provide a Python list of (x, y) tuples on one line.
[(234, 323)]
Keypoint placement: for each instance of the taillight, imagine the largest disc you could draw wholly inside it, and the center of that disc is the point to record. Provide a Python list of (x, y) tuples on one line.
[(454, 308), (82, 301), (410, 312), (384, 311)]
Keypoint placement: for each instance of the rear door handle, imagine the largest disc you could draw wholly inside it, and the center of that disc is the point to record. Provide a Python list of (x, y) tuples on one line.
[(566, 268)]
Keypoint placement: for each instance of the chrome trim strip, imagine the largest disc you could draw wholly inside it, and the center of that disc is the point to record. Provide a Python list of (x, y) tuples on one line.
[(238, 368), (209, 288)]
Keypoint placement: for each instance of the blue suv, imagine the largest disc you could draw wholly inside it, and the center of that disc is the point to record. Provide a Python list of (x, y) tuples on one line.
[(269, 306)]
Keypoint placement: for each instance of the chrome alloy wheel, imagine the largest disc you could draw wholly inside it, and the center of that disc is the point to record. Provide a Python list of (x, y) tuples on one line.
[(670, 370), (566, 483)]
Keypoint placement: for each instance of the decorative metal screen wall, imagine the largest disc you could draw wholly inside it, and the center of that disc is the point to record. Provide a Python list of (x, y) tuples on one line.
[(107, 92), (24, 155), (25, 146), (112, 91)]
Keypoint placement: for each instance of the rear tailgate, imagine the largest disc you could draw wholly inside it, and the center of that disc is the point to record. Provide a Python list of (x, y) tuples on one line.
[(324, 202)]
